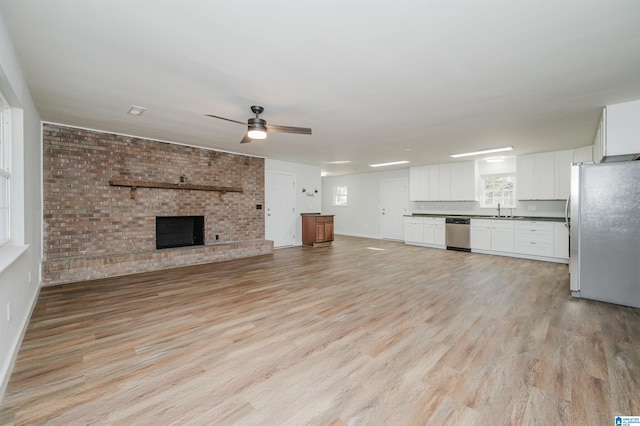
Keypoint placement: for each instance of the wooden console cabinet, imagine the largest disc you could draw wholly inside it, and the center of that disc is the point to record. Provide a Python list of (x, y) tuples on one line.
[(317, 229)]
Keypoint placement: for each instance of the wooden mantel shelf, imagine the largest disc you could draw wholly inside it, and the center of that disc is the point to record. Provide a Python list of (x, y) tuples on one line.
[(133, 184)]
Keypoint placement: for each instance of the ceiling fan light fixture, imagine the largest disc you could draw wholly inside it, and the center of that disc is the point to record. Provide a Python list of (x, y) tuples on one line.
[(257, 128), (255, 133)]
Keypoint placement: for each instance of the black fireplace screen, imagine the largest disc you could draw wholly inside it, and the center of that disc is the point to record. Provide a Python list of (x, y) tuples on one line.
[(179, 231)]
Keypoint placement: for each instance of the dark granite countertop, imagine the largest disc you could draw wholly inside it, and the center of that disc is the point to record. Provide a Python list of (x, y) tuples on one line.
[(315, 214), (474, 216)]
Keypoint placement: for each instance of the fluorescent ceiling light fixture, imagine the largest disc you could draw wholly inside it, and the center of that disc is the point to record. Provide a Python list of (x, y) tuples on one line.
[(483, 151), (136, 110), (339, 162), (323, 173), (394, 163), (498, 159)]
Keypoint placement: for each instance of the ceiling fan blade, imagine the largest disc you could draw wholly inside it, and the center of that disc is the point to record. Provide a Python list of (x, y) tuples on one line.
[(288, 129), (227, 119), (246, 138)]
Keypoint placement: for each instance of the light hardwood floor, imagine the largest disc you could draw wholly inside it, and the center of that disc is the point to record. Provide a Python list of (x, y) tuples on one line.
[(329, 336)]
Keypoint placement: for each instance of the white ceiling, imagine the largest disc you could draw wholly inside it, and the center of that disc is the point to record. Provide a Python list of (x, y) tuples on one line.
[(377, 81)]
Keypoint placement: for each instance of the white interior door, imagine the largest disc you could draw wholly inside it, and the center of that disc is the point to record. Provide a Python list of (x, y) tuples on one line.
[(394, 204), (280, 208)]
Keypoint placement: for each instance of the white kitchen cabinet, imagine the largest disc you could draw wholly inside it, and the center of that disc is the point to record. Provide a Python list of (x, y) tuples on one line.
[(562, 173), (419, 183), (463, 181), (413, 230), (583, 155), (618, 133), (534, 238), (544, 175), (429, 231), (434, 230), (445, 181), (480, 233), (502, 235), (525, 171), (434, 182), (492, 234), (560, 240)]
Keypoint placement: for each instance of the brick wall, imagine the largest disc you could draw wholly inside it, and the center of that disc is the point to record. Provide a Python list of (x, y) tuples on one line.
[(94, 230)]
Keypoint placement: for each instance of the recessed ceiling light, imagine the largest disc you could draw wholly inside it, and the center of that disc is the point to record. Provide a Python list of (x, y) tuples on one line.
[(389, 164), (323, 173), (483, 151), (136, 110), (339, 162)]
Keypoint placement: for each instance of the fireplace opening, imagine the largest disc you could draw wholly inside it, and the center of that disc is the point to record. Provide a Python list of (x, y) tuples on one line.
[(179, 231)]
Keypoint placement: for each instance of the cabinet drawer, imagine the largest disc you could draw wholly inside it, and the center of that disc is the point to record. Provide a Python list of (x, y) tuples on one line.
[(323, 219), (535, 248), (534, 226), (534, 236)]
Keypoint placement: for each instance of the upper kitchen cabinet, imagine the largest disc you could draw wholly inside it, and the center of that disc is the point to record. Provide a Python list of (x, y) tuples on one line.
[(583, 155), (419, 183), (463, 181), (562, 176), (544, 175), (434, 182), (617, 134), (443, 182)]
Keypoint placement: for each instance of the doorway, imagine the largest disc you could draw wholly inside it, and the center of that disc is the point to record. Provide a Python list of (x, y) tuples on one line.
[(394, 204), (280, 209)]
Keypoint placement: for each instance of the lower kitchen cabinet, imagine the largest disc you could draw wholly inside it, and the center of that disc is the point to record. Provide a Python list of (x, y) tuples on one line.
[(560, 241), (317, 230), (413, 230), (434, 230), (533, 237), (493, 235), (530, 239), (427, 231)]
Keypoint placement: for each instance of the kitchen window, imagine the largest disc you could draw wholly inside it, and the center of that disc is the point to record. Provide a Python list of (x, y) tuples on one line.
[(498, 189), (5, 170), (340, 197)]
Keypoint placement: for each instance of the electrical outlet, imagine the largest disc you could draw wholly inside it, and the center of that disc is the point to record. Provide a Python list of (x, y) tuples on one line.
[(531, 208), (8, 311)]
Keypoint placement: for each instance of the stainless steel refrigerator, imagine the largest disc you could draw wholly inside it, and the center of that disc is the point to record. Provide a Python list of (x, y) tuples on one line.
[(605, 232)]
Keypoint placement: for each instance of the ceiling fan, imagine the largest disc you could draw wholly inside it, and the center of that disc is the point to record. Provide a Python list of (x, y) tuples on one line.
[(257, 128)]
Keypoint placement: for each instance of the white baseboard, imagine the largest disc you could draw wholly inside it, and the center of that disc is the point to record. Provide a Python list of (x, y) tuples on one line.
[(7, 368), (349, 234)]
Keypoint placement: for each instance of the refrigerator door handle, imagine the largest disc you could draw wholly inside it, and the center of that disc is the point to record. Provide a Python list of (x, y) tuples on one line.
[(566, 213)]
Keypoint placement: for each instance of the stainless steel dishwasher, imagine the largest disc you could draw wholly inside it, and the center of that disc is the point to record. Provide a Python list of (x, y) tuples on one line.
[(457, 233)]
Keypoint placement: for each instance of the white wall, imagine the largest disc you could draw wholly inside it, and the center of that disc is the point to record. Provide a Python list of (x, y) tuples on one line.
[(19, 259), (307, 177), (361, 218)]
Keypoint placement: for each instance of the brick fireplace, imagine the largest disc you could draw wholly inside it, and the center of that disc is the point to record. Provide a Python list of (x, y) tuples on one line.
[(95, 230)]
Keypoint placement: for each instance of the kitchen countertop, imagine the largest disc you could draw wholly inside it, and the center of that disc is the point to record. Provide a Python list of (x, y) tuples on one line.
[(473, 216), (315, 214)]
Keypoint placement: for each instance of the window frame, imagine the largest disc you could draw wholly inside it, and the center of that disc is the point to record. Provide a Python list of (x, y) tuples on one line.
[(484, 192), (337, 189), (5, 169)]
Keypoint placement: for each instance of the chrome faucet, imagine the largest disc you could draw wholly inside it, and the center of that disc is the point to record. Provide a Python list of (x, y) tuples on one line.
[(498, 209)]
